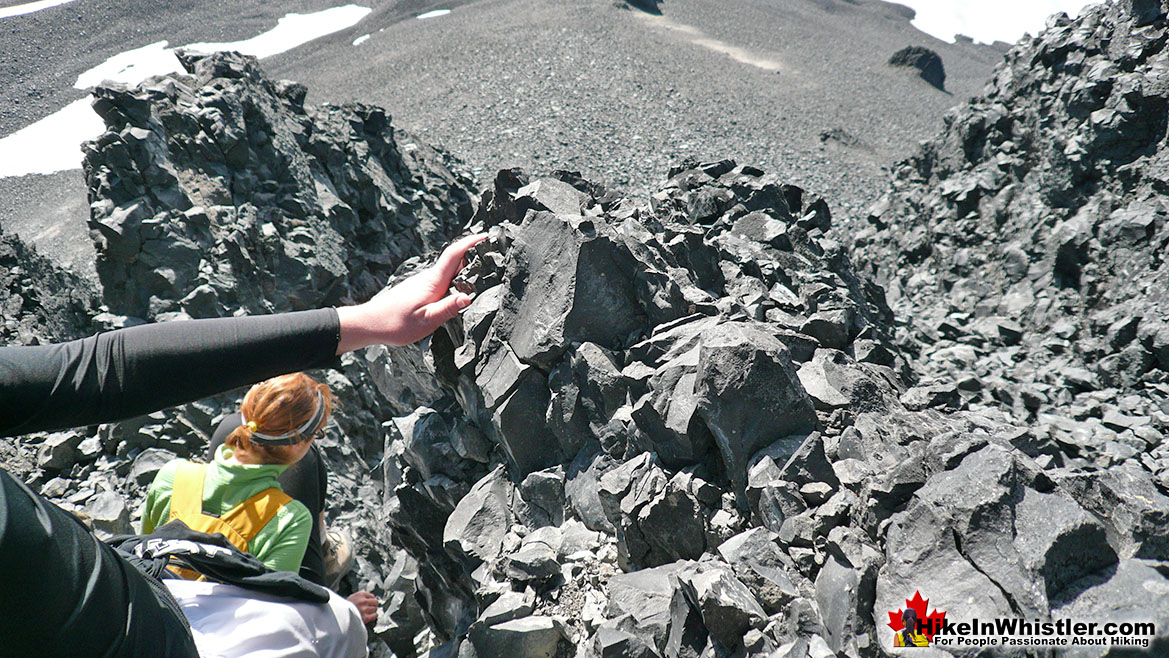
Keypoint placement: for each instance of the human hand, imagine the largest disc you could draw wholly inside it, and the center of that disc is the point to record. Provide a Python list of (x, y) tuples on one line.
[(412, 309), (366, 605)]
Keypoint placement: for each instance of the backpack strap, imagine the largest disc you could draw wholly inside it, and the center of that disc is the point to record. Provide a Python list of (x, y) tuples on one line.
[(240, 525), (250, 516)]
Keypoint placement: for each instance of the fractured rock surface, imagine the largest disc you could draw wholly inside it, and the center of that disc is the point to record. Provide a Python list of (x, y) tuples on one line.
[(688, 425)]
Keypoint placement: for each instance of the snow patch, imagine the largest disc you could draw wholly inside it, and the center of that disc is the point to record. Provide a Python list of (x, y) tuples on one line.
[(30, 7), (53, 143)]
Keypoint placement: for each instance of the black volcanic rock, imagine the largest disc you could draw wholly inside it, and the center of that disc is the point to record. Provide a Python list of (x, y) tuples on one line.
[(927, 62), (207, 190), (687, 425), (649, 6), (1032, 229), (39, 301)]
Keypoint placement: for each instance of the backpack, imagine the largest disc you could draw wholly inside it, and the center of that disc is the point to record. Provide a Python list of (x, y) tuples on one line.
[(240, 525), (213, 555)]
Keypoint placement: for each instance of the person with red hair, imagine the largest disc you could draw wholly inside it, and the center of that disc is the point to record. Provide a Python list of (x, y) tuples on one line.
[(284, 414), (61, 589), (240, 493)]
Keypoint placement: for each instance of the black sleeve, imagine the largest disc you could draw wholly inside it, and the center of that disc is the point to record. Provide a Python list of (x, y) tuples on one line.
[(134, 371)]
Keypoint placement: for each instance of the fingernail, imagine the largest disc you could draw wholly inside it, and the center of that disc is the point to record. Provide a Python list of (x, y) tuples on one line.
[(464, 301)]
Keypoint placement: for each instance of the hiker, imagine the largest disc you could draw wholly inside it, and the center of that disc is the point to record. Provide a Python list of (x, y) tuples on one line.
[(60, 588), (240, 489)]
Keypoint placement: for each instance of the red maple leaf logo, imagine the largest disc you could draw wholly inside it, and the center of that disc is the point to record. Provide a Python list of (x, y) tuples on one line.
[(930, 623)]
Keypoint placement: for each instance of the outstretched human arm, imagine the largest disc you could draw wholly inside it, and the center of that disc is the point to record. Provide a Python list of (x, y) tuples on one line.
[(129, 372), (411, 310)]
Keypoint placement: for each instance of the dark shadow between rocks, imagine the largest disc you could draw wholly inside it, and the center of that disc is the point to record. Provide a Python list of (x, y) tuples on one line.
[(648, 6)]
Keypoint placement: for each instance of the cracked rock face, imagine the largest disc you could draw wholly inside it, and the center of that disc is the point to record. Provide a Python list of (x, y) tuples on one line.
[(220, 190), (688, 425), (1025, 243)]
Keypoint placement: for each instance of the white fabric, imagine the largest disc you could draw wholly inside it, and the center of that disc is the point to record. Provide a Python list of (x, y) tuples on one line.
[(232, 622)]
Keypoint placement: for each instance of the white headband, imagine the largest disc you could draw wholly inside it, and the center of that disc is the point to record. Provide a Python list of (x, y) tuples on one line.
[(292, 436)]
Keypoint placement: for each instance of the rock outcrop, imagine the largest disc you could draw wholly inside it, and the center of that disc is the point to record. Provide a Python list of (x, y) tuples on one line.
[(927, 63), (40, 302), (1024, 245), (220, 191), (688, 425)]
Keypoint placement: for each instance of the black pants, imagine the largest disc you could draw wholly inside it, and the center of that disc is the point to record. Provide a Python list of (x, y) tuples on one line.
[(63, 592), (305, 481)]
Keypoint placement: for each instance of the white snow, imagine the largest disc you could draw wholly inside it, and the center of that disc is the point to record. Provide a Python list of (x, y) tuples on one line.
[(987, 21), (434, 14), (30, 7), (361, 39), (52, 144)]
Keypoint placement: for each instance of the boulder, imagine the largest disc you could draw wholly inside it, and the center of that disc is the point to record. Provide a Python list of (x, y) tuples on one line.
[(727, 607), (645, 597), (761, 565), (509, 606), (58, 451), (147, 464), (568, 279), (108, 513), (537, 636), (927, 63), (475, 530), (750, 395)]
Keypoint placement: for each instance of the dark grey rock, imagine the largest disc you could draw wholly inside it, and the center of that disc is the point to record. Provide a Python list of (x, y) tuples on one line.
[(927, 62), (616, 643), (549, 194), (668, 414), (147, 464), (553, 261), (1131, 591), (1131, 507), (534, 563), (58, 451), (645, 596), (180, 243), (582, 486), (519, 422), (809, 464), (671, 524), (475, 530), (933, 396), (537, 636), (728, 608), (762, 566), (750, 394), (922, 554), (543, 491), (509, 606), (108, 513), (841, 605), (832, 328), (41, 302)]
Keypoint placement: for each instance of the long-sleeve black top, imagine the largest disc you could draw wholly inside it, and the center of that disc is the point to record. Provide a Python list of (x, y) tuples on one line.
[(120, 374)]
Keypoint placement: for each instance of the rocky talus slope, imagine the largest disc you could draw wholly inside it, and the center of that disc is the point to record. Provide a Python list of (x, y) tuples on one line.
[(678, 425), (1024, 247)]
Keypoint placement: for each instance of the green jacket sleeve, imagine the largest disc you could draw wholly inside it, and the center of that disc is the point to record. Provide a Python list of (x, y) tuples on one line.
[(157, 509)]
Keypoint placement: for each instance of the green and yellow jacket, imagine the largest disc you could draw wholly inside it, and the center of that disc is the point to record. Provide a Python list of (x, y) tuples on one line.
[(280, 544)]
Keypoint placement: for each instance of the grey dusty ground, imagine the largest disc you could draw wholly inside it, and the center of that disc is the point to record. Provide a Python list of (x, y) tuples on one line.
[(586, 85)]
